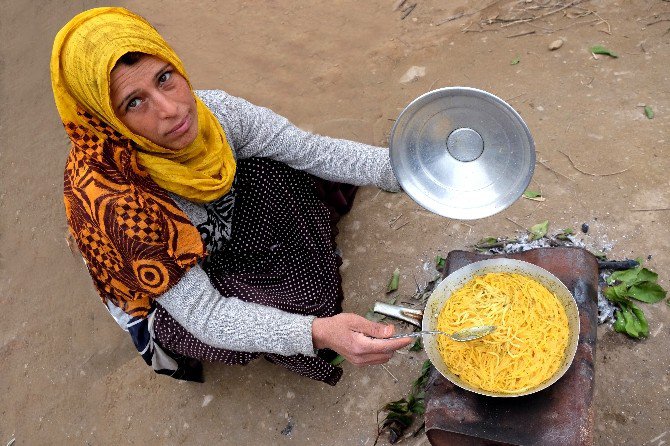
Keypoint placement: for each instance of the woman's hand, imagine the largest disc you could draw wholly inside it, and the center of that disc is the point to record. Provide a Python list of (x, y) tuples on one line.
[(359, 340)]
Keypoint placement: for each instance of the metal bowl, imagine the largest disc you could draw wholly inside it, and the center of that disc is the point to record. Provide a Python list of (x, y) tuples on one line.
[(462, 153), (444, 290)]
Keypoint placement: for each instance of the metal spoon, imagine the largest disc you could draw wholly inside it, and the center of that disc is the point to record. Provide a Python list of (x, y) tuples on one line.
[(469, 334)]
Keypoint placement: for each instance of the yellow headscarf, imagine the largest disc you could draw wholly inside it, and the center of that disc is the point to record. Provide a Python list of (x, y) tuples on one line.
[(84, 53)]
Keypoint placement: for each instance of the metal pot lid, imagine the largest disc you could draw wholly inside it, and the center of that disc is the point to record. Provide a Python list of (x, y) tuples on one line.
[(462, 153)]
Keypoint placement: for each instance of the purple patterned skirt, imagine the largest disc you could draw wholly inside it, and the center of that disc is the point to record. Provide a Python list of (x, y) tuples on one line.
[(281, 254)]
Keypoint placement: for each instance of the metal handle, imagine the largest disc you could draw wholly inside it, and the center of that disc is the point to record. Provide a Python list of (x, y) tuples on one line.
[(409, 315), (416, 334)]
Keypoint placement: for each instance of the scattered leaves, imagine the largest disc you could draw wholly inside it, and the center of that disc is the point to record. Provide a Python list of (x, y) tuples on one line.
[(393, 282), (401, 413), (599, 49), (337, 360), (599, 254), (515, 61), (488, 243), (637, 283), (539, 230), (532, 195), (648, 112), (417, 346), (564, 235)]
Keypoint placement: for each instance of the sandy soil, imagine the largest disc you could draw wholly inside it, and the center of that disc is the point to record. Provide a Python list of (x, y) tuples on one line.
[(70, 376)]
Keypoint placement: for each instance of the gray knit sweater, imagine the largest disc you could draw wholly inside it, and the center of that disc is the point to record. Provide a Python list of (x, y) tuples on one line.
[(252, 131)]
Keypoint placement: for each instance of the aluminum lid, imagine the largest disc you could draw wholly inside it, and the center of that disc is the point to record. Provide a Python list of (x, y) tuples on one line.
[(462, 153)]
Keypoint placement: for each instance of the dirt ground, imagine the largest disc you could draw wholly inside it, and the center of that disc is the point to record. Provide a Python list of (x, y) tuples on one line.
[(70, 376)]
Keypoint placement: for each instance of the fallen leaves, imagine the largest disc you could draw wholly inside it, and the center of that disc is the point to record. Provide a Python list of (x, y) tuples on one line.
[(401, 413), (532, 195), (648, 112), (539, 230), (599, 49), (393, 282), (636, 283)]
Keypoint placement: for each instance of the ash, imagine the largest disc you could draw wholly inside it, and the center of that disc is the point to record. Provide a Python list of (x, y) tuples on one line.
[(523, 243)]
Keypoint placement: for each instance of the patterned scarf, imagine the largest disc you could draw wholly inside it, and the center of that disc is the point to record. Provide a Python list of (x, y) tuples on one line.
[(136, 242)]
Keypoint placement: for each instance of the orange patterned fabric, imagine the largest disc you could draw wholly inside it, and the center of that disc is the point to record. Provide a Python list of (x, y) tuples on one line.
[(136, 242)]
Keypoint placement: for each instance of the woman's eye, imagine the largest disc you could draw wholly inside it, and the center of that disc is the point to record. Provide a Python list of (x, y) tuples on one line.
[(165, 77), (134, 103)]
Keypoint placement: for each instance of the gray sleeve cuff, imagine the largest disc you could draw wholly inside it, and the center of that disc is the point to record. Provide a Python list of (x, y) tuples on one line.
[(232, 324)]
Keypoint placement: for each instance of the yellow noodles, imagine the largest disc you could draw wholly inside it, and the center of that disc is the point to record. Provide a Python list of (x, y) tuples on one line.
[(528, 345)]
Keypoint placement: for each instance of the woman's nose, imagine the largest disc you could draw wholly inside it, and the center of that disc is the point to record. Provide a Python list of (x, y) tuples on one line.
[(166, 107)]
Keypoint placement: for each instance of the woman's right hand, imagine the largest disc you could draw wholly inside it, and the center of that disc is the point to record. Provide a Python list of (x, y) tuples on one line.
[(359, 340)]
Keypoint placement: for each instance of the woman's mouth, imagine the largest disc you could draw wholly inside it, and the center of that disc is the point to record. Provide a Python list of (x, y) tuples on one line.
[(181, 128)]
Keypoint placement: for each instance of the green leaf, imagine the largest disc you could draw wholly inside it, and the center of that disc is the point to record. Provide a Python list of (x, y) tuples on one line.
[(539, 230), (440, 262), (417, 386), (487, 241), (620, 324), (617, 293), (649, 112), (399, 406), (646, 275), (515, 61), (599, 49), (393, 283), (627, 276), (417, 346), (337, 360), (418, 407), (404, 420), (631, 323), (531, 194), (648, 292), (564, 235), (644, 325), (599, 254)]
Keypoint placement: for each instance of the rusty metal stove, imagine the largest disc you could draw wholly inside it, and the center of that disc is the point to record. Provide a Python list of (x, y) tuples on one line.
[(560, 415)]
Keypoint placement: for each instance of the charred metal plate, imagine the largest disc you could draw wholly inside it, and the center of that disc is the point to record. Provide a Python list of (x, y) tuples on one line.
[(559, 415)]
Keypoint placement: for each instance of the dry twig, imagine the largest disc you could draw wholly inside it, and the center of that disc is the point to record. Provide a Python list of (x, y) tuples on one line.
[(650, 210), (394, 219), (657, 21), (402, 225), (589, 173), (398, 4), (544, 164), (408, 11), (525, 33), (463, 14), (450, 18), (389, 372)]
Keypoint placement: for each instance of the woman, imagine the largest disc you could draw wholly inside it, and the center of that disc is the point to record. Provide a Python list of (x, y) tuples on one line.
[(198, 214)]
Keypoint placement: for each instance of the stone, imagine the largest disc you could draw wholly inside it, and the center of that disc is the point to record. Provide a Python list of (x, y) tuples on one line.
[(556, 44)]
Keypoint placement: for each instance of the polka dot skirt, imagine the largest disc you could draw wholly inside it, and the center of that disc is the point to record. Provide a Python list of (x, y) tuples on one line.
[(281, 254)]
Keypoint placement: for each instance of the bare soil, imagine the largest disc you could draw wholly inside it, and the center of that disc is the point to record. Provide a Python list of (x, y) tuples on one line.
[(70, 376)]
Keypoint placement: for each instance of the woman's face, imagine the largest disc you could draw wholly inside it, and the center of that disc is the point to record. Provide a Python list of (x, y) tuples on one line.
[(154, 101)]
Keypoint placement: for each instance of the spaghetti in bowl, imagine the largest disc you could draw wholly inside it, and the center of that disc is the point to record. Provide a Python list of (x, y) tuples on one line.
[(448, 289), (529, 344)]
